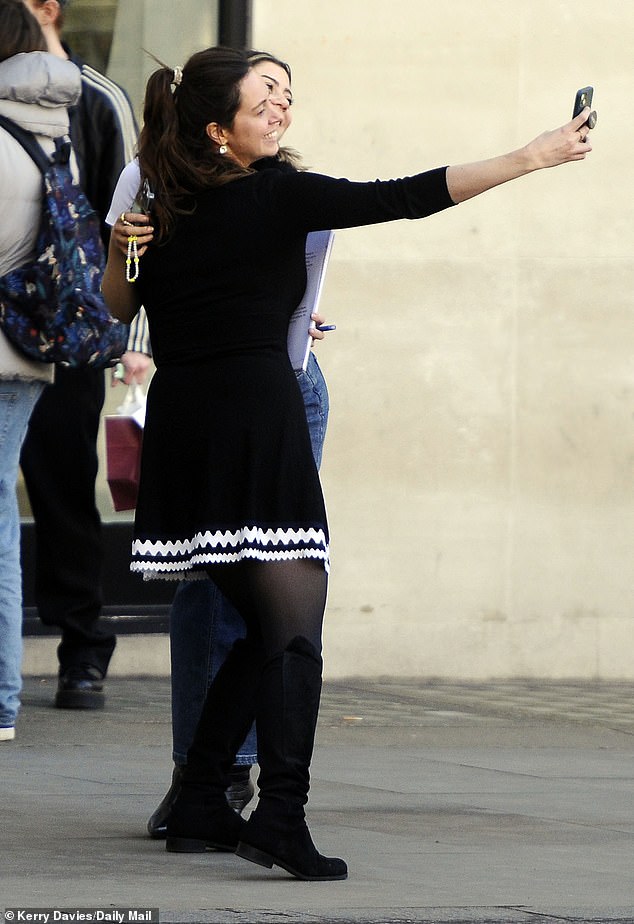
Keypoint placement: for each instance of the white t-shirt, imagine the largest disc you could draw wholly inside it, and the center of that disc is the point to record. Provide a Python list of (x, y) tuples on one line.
[(122, 198), (125, 191)]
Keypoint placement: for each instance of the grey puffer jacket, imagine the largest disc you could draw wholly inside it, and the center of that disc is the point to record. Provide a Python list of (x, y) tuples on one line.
[(35, 91)]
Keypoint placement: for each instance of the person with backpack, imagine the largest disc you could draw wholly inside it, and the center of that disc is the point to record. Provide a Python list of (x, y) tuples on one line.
[(62, 435), (36, 89)]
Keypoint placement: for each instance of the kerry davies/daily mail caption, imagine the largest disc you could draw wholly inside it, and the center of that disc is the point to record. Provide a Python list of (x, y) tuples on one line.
[(81, 915)]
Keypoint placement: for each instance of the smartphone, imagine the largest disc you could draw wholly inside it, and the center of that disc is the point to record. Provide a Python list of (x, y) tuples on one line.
[(144, 199), (583, 98)]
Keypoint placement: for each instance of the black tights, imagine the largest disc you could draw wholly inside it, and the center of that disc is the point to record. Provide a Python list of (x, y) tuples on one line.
[(278, 600)]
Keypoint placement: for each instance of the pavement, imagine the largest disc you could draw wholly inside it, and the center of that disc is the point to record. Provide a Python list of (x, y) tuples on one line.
[(504, 802)]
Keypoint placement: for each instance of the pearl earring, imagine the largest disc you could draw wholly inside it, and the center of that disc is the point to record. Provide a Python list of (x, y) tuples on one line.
[(222, 149)]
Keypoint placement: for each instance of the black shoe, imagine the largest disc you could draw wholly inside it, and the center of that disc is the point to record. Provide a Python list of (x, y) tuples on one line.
[(288, 705), (201, 819), (290, 847), (201, 816), (240, 792), (80, 688), (157, 824)]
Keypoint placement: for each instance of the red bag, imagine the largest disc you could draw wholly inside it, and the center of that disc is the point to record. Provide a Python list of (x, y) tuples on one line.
[(124, 438)]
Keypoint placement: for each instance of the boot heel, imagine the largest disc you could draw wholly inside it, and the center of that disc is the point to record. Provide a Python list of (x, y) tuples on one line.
[(247, 852), (185, 845)]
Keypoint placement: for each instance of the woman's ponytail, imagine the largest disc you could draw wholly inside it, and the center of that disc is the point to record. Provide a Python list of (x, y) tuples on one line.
[(176, 155)]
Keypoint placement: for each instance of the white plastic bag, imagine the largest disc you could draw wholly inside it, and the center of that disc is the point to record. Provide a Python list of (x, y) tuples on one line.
[(134, 404)]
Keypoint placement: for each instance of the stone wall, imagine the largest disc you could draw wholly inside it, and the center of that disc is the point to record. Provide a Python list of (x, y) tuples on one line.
[(480, 457)]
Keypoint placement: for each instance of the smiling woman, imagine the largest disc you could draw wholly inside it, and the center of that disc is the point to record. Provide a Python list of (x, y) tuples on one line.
[(256, 129), (233, 493), (199, 612)]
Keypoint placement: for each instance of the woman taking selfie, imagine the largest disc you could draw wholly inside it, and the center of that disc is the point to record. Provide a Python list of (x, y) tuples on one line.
[(229, 487), (202, 623)]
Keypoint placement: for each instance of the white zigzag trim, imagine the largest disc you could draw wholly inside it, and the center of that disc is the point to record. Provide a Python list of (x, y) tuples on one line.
[(174, 571), (250, 535)]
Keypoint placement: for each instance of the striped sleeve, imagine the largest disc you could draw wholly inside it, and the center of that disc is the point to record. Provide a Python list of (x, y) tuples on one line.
[(121, 105), (139, 339)]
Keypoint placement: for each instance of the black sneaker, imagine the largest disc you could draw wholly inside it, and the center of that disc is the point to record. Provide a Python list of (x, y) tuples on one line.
[(80, 688)]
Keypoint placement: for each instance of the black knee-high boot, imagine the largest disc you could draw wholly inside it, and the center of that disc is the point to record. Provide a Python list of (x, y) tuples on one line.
[(286, 717), (201, 817)]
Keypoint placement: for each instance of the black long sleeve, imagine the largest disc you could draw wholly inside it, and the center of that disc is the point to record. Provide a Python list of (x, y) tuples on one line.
[(313, 202)]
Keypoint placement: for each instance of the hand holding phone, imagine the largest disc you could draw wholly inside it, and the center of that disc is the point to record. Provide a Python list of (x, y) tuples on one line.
[(583, 98), (144, 200)]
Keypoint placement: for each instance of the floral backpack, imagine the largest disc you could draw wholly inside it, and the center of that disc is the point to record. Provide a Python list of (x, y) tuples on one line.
[(51, 308)]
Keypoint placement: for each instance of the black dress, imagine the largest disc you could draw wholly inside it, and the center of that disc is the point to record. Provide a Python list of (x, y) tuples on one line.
[(227, 471)]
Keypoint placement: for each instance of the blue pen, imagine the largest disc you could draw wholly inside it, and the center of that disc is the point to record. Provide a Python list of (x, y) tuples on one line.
[(326, 327)]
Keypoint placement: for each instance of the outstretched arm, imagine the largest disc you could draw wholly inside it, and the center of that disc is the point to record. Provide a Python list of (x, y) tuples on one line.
[(550, 149)]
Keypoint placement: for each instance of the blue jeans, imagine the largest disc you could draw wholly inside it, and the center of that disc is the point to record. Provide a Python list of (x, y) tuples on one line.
[(17, 400), (204, 626)]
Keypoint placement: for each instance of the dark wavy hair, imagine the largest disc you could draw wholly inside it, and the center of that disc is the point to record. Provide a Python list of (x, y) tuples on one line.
[(285, 155), (176, 155), (255, 57), (19, 30)]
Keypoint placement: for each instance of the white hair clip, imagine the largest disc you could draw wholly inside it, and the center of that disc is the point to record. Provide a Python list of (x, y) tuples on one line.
[(178, 76)]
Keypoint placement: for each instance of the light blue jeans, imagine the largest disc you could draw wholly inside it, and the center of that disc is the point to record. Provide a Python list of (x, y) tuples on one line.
[(17, 400), (204, 626)]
